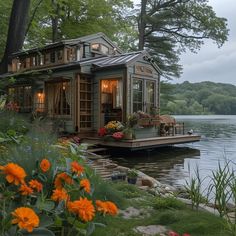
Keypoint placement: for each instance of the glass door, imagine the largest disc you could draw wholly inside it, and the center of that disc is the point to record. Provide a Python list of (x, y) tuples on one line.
[(111, 100), (143, 95)]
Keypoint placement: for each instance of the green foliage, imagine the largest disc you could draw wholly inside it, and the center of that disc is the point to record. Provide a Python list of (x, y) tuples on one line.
[(168, 203), (198, 98), (171, 27), (78, 18)]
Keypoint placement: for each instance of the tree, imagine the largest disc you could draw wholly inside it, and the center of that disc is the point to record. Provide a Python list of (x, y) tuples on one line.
[(169, 27), (16, 30)]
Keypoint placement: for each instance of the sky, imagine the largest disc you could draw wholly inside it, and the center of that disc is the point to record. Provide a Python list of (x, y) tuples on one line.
[(212, 63)]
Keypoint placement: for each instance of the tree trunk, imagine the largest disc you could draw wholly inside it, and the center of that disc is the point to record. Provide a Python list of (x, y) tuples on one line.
[(54, 19), (16, 31), (142, 25)]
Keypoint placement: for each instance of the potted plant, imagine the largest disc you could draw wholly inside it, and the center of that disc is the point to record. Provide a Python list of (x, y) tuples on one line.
[(128, 133), (132, 176)]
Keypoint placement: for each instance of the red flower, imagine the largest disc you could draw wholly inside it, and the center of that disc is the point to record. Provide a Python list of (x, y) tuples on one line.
[(102, 132), (172, 233), (118, 135), (186, 234)]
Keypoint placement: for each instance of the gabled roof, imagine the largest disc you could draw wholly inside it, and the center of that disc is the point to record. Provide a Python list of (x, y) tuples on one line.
[(70, 42), (120, 60)]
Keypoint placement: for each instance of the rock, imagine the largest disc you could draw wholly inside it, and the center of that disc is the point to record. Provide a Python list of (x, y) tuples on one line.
[(122, 169), (147, 182), (132, 212), (150, 230), (145, 188)]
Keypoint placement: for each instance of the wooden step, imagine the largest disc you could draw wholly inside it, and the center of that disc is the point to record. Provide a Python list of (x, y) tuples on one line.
[(97, 149)]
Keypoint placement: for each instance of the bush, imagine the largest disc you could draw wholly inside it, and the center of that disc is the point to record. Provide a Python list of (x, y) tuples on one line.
[(168, 203)]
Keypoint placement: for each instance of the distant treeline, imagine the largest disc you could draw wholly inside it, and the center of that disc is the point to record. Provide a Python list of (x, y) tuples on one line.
[(198, 98)]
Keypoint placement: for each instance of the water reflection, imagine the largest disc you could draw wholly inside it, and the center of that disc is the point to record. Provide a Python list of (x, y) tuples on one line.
[(165, 164), (170, 165)]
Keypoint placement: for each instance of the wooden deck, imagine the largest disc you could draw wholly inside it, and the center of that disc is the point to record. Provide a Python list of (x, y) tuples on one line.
[(145, 143)]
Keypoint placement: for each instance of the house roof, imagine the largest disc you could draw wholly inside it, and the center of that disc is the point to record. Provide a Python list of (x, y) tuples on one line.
[(70, 42), (98, 63), (120, 60)]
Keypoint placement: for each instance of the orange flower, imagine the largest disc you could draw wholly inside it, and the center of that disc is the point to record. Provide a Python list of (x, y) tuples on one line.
[(45, 165), (35, 184), (25, 218), (25, 190), (83, 208), (107, 207), (61, 179), (59, 195), (14, 173), (85, 184), (76, 168)]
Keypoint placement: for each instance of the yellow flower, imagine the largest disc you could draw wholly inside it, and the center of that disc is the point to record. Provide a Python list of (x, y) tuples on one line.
[(107, 207), (59, 195), (25, 190), (85, 184), (83, 208), (25, 218), (45, 165), (35, 184), (14, 173)]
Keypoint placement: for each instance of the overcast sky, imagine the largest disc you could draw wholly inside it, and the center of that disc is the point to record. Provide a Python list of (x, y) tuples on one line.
[(212, 63)]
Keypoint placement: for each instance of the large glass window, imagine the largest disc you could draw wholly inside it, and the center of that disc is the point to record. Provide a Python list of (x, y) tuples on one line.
[(143, 95), (137, 95), (150, 95), (22, 97), (58, 98)]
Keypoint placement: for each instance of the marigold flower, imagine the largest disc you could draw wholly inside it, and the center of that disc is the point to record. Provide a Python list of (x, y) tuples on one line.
[(45, 165), (76, 168), (25, 218), (61, 179), (25, 190), (107, 207), (85, 184), (14, 173), (35, 184), (59, 195), (83, 208)]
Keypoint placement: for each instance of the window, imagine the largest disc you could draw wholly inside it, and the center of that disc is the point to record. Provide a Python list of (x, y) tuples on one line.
[(96, 47), (150, 95), (143, 95), (85, 103), (137, 95), (58, 98), (59, 55), (52, 57), (22, 97)]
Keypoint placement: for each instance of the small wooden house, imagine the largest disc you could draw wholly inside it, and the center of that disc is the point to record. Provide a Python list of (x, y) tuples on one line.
[(84, 82)]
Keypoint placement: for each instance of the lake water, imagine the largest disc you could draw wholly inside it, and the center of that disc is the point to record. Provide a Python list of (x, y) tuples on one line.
[(171, 164)]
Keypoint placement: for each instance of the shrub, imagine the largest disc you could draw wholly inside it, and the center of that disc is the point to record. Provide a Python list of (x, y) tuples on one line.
[(168, 203)]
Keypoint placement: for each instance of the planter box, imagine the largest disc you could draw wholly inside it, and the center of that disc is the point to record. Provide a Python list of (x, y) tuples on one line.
[(146, 132)]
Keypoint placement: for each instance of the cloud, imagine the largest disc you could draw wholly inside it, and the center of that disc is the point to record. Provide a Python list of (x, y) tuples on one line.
[(211, 63)]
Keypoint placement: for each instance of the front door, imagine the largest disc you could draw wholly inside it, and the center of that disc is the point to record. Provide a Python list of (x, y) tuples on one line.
[(110, 100)]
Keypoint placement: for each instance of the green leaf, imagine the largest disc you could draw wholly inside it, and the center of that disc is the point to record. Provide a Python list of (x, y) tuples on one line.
[(38, 232), (45, 205), (90, 229), (45, 221)]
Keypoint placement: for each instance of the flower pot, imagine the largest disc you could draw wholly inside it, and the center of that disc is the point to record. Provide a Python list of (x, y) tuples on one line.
[(132, 180)]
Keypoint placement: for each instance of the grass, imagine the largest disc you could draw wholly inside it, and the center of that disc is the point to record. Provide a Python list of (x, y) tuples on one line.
[(169, 212)]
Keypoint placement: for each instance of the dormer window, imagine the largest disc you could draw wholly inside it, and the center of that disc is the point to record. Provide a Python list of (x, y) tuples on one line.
[(99, 48)]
